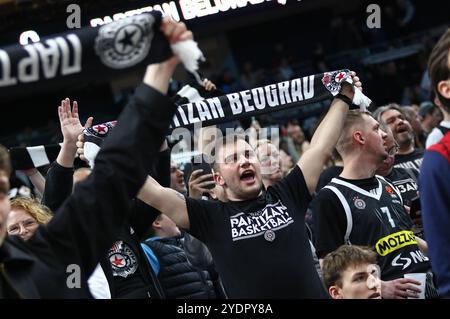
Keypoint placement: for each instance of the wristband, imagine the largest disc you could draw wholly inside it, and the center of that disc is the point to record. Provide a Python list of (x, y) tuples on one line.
[(347, 101)]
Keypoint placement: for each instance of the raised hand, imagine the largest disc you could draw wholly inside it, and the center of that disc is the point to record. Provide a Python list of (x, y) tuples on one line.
[(159, 74), (70, 122), (208, 85), (347, 89), (70, 128), (174, 32)]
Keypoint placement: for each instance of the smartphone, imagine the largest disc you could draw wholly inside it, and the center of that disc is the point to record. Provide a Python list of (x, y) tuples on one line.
[(199, 162), (415, 207)]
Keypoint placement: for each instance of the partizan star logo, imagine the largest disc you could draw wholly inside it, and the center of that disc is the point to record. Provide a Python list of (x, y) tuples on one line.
[(100, 130), (123, 260), (333, 80), (125, 42)]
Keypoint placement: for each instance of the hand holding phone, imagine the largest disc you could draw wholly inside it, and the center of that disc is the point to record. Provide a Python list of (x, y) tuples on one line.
[(201, 180)]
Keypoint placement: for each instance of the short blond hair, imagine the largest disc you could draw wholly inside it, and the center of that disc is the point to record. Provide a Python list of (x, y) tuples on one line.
[(42, 214), (353, 118)]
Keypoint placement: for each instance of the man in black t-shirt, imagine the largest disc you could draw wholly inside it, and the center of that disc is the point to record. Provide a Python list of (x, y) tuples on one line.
[(258, 239), (360, 208), (404, 179), (393, 116)]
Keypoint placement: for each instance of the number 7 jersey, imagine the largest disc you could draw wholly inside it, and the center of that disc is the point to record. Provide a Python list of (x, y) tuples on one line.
[(378, 219)]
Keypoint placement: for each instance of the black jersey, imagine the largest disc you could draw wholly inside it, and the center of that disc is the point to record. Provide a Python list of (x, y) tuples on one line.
[(405, 180), (377, 218)]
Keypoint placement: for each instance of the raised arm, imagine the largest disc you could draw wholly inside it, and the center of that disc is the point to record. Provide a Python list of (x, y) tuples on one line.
[(325, 138), (60, 175), (95, 213), (143, 215), (36, 179), (166, 200)]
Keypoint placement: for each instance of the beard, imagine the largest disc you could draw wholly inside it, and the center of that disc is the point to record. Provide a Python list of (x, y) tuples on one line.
[(406, 140)]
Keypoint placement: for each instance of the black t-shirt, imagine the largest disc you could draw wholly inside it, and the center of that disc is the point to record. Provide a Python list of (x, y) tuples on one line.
[(327, 175), (378, 220), (260, 246), (405, 179), (412, 160)]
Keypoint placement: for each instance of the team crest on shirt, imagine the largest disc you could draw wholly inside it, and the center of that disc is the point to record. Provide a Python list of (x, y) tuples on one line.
[(332, 80), (390, 191), (359, 203), (269, 235), (122, 259)]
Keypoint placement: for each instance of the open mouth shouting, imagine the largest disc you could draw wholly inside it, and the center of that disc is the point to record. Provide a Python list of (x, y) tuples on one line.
[(248, 176), (401, 129)]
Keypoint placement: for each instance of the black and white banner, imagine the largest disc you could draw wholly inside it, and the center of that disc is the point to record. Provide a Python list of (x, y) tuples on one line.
[(262, 100), (88, 53), (219, 109), (35, 156)]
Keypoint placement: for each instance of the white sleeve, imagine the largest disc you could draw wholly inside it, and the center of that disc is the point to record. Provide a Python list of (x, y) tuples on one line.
[(434, 137), (98, 284)]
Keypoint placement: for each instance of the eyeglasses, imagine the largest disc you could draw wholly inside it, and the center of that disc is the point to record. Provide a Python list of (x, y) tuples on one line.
[(27, 224), (393, 150)]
